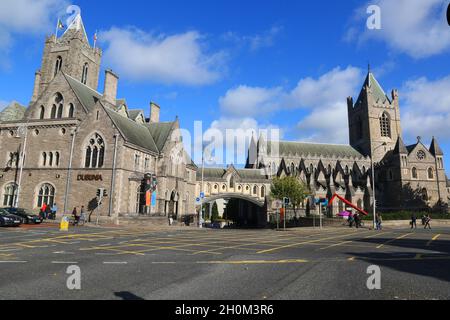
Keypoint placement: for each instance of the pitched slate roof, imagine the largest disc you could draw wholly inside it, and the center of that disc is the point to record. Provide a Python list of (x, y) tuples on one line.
[(15, 111), (132, 131), (160, 132), (87, 96), (377, 91), (287, 148), (151, 136)]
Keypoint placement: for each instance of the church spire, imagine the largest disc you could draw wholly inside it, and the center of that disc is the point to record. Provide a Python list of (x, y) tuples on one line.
[(435, 149), (76, 27)]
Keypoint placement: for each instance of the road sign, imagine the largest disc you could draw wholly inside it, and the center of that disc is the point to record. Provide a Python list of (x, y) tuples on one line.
[(286, 201), (198, 200), (278, 204), (202, 195)]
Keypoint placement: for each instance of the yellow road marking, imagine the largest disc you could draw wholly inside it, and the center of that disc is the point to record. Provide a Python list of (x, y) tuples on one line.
[(434, 239), (392, 240), (265, 243), (336, 245), (294, 261), (351, 259), (305, 242)]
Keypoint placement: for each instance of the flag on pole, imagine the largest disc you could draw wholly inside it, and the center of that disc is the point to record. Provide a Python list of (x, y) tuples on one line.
[(95, 38), (60, 25)]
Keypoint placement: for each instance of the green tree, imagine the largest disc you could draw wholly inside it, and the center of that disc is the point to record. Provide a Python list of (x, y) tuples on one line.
[(289, 187), (215, 212)]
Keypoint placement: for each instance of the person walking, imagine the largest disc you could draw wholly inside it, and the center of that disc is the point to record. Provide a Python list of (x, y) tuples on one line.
[(48, 211), (54, 210), (350, 220), (75, 216), (427, 222), (82, 215), (413, 221), (42, 211), (379, 221)]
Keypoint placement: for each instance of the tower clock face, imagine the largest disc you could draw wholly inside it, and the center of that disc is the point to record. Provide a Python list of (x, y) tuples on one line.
[(421, 155)]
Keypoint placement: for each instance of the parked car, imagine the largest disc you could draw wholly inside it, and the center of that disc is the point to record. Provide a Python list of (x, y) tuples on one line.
[(9, 220), (25, 216)]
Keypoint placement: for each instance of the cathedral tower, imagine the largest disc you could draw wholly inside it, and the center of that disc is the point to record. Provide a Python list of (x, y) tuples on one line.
[(374, 120), (71, 54)]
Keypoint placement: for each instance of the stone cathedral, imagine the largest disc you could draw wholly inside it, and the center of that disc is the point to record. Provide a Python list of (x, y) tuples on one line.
[(406, 176)]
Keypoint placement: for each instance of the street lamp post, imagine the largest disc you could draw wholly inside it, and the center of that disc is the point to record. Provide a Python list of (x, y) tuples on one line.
[(373, 186), (21, 131)]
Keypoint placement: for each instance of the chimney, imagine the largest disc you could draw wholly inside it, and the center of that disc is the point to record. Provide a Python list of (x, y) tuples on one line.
[(110, 91), (154, 112), (37, 84)]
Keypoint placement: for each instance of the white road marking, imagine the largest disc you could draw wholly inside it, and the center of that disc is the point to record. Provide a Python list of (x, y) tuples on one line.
[(13, 261), (63, 262), (117, 262)]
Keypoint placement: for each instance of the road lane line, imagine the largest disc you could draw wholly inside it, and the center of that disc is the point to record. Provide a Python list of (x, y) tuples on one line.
[(64, 262), (13, 261), (115, 262), (434, 239), (246, 262), (393, 240), (306, 242)]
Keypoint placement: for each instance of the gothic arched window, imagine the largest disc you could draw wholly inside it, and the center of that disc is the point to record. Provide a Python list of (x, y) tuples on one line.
[(71, 111), (57, 159), (58, 65), (430, 173), (46, 195), (60, 111), (50, 159), (263, 192), (414, 173), (53, 115), (42, 113), (85, 73), (232, 182), (95, 152), (10, 195), (44, 159), (385, 125)]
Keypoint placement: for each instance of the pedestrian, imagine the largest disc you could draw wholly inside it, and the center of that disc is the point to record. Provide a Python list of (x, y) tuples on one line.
[(42, 211), (357, 220), (413, 221), (82, 215), (170, 220), (379, 221), (427, 222), (424, 218), (54, 211), (350, 220), (75, 216), (48, 211)]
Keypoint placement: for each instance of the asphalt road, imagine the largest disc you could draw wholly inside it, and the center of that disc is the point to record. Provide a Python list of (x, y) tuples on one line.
[(224, 264)]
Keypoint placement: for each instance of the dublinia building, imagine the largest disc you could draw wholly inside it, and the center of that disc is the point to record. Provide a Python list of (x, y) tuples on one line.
[(73, 140)]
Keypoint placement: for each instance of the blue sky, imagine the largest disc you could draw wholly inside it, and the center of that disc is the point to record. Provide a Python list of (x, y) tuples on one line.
[(240, 64)]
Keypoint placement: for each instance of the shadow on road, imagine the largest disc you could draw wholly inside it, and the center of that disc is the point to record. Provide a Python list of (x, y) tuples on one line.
[(429, 261), (124, 295)]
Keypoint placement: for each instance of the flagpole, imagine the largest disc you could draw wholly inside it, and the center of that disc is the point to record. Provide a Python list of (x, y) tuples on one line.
[(56, 33)]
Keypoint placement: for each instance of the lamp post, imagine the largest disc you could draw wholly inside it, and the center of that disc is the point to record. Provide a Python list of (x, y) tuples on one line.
[(23, 130), (373, 186)]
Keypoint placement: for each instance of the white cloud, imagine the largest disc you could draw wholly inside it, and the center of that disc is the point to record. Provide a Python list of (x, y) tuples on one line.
[(29, 17), (245, 101), (415, 27), (255, 42), (323, 98), (175, 59), (425, 107)]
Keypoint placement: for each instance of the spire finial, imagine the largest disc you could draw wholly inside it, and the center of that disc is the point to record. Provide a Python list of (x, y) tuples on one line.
[(368, 67)]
